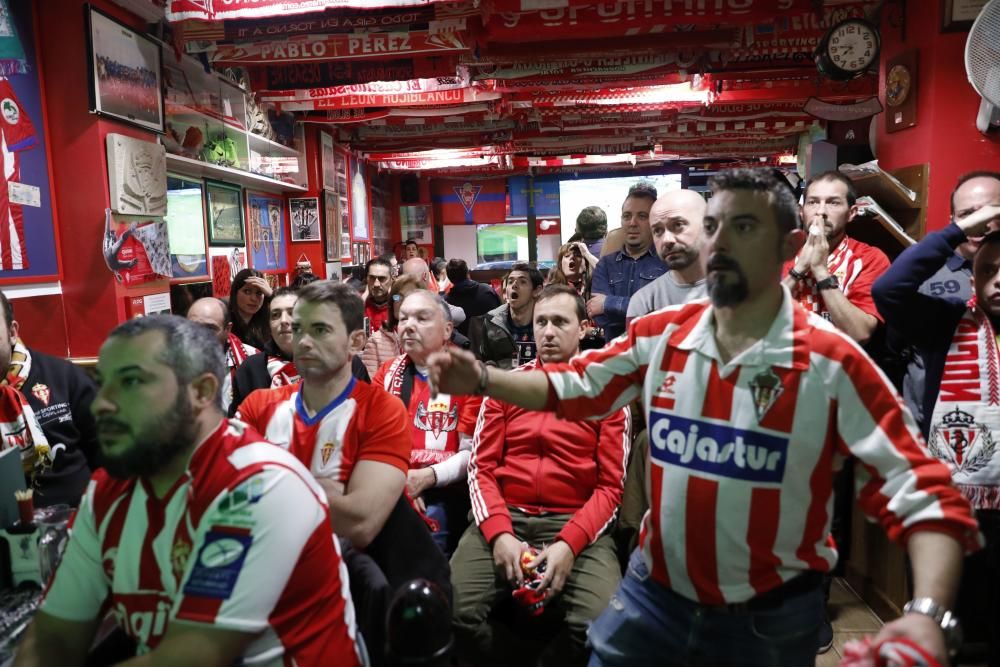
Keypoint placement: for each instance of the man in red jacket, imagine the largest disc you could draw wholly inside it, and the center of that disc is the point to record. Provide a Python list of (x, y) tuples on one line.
[(541, 481)]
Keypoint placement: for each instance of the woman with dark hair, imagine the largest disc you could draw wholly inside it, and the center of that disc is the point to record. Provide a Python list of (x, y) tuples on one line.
[(574, 267), (383, 344), (248, 301), (439, 272)]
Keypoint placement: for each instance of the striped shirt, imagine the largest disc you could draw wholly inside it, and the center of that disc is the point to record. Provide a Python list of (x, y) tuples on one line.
[(220, 549), (743, 453)]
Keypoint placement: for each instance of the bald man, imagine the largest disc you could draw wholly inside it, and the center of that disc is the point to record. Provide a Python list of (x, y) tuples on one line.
[(418, 268), (675, 221), (213, 314)]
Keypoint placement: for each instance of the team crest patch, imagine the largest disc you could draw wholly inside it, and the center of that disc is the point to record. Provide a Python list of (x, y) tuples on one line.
[(765, 388), (41, 392), (179, 558), (436, 417), (326, 452), (967, 446), (467, 195), (668, 384), (11, 112)]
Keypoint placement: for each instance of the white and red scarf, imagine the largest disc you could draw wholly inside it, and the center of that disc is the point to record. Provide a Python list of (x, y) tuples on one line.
[(282, 371), (19, 367), (965, 424), (236, 353)]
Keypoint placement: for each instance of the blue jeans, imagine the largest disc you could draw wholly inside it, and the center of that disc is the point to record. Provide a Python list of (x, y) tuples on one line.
[(648, 624)]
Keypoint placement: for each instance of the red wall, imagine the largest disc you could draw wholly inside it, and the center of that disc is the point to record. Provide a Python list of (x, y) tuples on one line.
[(945, 136), (313, 250)]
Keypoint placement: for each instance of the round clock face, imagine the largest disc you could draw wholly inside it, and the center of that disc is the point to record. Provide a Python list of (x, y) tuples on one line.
[(853, 45), (897, 85)]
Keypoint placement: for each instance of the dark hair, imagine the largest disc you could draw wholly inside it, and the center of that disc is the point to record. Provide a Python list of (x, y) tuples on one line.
[(990, 239), (592, 223), (256, 332), (533, 273), (400, 285), (286, 291), (304, 279), (832, 175), (642, 190), (438, 265), (781, 199), (8, 310), (378, 261), (556, 275), (979, 173), (188, 348), (411, 242), (457, 270), (352, 308), (552, 290)]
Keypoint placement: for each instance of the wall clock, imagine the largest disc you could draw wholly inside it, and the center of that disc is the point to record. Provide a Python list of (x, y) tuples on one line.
[(848, 49)]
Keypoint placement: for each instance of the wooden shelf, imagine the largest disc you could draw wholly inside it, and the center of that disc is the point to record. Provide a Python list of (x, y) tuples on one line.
[(270, 148), (909, 213), (186, 166)]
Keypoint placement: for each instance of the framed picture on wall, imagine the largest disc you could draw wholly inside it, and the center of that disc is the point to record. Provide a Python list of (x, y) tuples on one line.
[(266, 221), (959, 15), (125, 72), (305, 219), (327, 162), (340, 172), (225, 214), (345, 228), (331, 237), (186, 227), (359, 201)]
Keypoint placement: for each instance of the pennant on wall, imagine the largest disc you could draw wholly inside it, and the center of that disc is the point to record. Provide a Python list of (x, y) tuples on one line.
[(471, 202)]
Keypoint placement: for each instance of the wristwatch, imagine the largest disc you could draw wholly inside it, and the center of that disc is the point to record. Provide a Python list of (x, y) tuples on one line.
[(830, 282), (796, 275), (943, 617)]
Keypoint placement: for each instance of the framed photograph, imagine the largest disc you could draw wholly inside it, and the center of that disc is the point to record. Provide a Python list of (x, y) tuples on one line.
[(186, 227), (416, 223), (266, 220), (305, 219), (331, 216), (225, 214), (359, 201), (345, 229), (125, 72), (340, 172), (327, 161), (959, 15)]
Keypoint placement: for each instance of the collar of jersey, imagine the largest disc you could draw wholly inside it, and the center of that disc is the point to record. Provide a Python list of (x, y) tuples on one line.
[(330, 407)]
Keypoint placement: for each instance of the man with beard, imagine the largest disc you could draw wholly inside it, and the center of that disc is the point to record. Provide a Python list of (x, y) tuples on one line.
[(59, 393), (833, 274), (440, 427), (213, 314), (675, 221), (621, 274), (504, 337), (379, 275), (537, 480), (356, 441), (185, 534), (275, 367), (752, 404)]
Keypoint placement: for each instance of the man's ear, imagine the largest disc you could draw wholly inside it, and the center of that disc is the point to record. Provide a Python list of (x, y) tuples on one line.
[(204, 391), (853, 212), (449, 329), (356, 342), (15, 329), (792, 243)]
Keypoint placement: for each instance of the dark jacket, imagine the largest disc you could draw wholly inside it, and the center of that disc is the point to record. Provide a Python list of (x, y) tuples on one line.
[(490, 339), (474, 298), (252, 374), (60, 393), (925, 321)]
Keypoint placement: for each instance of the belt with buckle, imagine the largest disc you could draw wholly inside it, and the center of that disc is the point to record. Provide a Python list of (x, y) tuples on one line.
[(775, 597)]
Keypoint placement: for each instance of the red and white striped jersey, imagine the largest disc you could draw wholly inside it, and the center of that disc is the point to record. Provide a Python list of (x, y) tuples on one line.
[(743, 453), (856, 265), (363, 423), (241, 542), (17, 133)]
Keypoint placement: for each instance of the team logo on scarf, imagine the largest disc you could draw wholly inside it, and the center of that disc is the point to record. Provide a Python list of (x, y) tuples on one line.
[(41, 392), (958, 440), (436, 418), (467, 195), (765, 388)]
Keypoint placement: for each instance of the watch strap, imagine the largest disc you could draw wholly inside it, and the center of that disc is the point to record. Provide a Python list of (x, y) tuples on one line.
[(830, 282), (796, 275)]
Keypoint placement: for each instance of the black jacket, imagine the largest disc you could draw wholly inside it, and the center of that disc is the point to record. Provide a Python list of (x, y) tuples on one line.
[(474, 298), (60, 393)]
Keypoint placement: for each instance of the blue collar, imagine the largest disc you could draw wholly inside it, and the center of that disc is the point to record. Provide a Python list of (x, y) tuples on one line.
[(958, 263), (300, 407), (623, 254)]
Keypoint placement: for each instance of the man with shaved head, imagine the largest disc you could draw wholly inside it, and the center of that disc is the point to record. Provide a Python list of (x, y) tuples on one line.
[(675, 222), (418, 268), (212, 314)]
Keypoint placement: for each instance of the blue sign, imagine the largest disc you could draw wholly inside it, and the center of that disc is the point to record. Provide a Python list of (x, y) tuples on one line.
[(543, 193)]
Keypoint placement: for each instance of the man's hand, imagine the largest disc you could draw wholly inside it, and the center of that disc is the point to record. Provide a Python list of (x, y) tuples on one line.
[(332, 487), (921, 630), (453, 371), (507, 551), (595, 306), (817, 250), (419, 480), (560, 561), (981, 221), (260, 284)]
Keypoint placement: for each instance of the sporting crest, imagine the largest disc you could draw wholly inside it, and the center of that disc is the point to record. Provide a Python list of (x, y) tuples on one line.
[(467, 195), (41, 392), (326, 452), (961, 442), (765, 387), (436, 417), (179, 558)]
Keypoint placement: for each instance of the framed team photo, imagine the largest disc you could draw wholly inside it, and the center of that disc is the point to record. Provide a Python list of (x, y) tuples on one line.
[(225, 214), (331, 236), (125, 72), (305, 219)]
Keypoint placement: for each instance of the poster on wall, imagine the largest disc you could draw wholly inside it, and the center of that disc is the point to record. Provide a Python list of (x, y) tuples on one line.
[(137, 176), (124, 73), (225, 215), (345, 229), (327, 161), (305, 219), (415, 223), (31, 255), (331, 235), (340, 172), (266, 223), (186, 227), (359, 201), (135, 249)]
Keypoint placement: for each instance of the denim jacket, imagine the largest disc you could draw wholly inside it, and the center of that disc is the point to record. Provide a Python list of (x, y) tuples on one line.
[(618, 276)]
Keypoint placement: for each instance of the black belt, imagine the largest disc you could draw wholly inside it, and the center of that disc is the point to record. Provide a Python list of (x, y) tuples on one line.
[(774, 598)]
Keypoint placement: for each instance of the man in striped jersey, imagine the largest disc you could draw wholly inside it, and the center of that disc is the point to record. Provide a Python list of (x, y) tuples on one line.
[(185, 534), (752, 405), (537, 480)]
